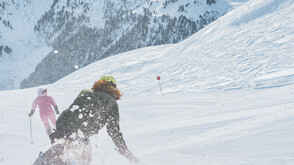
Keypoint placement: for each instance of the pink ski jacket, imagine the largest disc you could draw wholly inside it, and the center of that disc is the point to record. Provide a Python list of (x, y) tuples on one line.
[(44, 102)]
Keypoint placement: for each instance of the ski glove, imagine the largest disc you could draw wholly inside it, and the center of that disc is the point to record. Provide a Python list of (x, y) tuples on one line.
[(31, 113), (132, 158), (56, 110)]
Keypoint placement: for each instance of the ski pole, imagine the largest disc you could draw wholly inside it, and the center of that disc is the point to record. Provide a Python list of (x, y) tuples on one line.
[(31, 131)]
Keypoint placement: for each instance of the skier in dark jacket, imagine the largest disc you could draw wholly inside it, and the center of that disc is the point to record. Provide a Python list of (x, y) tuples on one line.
[(91, 111)]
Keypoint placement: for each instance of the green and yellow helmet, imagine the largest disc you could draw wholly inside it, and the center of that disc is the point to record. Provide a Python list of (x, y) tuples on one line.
[(109, 79)]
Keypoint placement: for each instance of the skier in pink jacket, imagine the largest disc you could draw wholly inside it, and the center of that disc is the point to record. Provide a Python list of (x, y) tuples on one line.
[(46, 112)]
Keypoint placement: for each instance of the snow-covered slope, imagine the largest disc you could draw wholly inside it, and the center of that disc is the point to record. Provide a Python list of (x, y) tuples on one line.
[(230, 128), (86, 31), (200, 119), (26, 49), (250, 47)]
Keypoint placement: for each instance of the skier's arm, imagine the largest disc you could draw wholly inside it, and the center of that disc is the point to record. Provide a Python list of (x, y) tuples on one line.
[(34, 106), (52, 102), (114, 132)]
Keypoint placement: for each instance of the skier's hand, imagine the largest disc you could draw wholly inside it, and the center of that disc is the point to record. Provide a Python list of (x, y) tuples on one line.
[(132, 158), (56, 110), (31, 113)]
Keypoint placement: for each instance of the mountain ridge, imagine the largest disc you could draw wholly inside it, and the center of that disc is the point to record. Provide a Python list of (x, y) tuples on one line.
[(122, 30), (221, 56)]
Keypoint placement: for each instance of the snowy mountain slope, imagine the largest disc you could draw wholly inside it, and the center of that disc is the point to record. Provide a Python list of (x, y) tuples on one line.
[(25, 49), (225, 127), (84, 32), (250, 47), (200, 119)]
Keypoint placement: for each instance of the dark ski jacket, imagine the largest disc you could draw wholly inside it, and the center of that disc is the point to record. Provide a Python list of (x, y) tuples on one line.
[(91, 111)]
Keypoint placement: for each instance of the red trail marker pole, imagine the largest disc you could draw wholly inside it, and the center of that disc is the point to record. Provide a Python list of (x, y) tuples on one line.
[(158, 78)]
